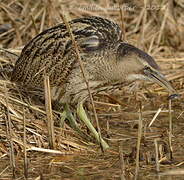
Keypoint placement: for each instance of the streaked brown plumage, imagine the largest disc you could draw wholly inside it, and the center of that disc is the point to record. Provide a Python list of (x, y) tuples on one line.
[(107, 60)]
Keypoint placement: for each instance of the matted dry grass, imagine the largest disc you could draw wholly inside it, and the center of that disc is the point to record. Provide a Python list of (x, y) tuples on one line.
[(154, 26)]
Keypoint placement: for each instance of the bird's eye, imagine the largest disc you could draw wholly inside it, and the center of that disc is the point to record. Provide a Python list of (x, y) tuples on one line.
[(147, 68)]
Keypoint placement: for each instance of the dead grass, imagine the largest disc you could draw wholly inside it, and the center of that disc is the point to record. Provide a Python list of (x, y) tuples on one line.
[(154, 26)]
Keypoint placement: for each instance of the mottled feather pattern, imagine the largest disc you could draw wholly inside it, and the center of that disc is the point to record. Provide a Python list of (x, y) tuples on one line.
[(47, 51), (107, 60)]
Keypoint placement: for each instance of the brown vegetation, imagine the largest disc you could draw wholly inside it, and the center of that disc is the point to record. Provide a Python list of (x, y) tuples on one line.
[(157, 27)]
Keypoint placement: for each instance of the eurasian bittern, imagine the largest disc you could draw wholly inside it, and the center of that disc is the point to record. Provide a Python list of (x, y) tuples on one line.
[(106, 58)]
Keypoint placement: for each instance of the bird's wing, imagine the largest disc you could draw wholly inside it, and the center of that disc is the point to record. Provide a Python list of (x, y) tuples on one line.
[(51, 51)]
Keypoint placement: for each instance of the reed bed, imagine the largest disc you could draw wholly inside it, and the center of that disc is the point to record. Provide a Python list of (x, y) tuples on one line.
[(157, 27)]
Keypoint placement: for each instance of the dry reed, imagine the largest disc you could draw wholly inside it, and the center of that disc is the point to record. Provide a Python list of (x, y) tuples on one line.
[(158, 31)]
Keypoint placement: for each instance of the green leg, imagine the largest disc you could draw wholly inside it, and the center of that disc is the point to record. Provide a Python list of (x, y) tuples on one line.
[(71, 118), (67, 114), (82, 115), (63, 117)]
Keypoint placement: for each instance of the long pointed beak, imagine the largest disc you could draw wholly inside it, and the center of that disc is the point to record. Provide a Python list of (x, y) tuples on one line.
[(159, 78)]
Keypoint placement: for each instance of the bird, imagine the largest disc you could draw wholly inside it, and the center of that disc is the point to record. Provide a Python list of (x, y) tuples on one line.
[(108, 61)]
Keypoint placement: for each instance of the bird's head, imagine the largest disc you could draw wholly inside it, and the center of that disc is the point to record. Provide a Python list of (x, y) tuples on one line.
[(138, 65)]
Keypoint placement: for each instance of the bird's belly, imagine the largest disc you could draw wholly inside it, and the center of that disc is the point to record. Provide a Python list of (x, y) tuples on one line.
[(74, 92), (79, 92)]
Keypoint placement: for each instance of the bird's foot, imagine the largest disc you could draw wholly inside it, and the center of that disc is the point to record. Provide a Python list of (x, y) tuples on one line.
[(83, 116), (67, 114)]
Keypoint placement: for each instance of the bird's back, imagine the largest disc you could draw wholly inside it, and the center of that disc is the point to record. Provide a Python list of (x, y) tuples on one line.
[(51, 51)]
